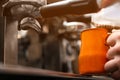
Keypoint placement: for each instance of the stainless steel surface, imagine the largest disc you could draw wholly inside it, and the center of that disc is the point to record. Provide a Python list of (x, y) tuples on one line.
[(11, 47), (29, 71)]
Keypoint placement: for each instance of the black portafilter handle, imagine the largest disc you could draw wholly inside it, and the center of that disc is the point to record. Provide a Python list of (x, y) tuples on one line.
[(79, 18), (69, 7)]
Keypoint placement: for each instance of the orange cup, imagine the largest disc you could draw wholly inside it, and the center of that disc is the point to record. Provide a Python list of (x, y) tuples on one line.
[(93, 51)]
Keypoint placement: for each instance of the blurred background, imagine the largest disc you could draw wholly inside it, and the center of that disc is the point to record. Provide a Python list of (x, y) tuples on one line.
[(47, 43)]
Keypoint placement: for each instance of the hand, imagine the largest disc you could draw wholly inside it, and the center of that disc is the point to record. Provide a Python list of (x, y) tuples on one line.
[(113, 54)]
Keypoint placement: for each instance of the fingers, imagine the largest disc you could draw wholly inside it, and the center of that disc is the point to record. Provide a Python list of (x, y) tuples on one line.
[(113, 54), (111, 40), (111, 65), (115, 50), (114, 42)]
